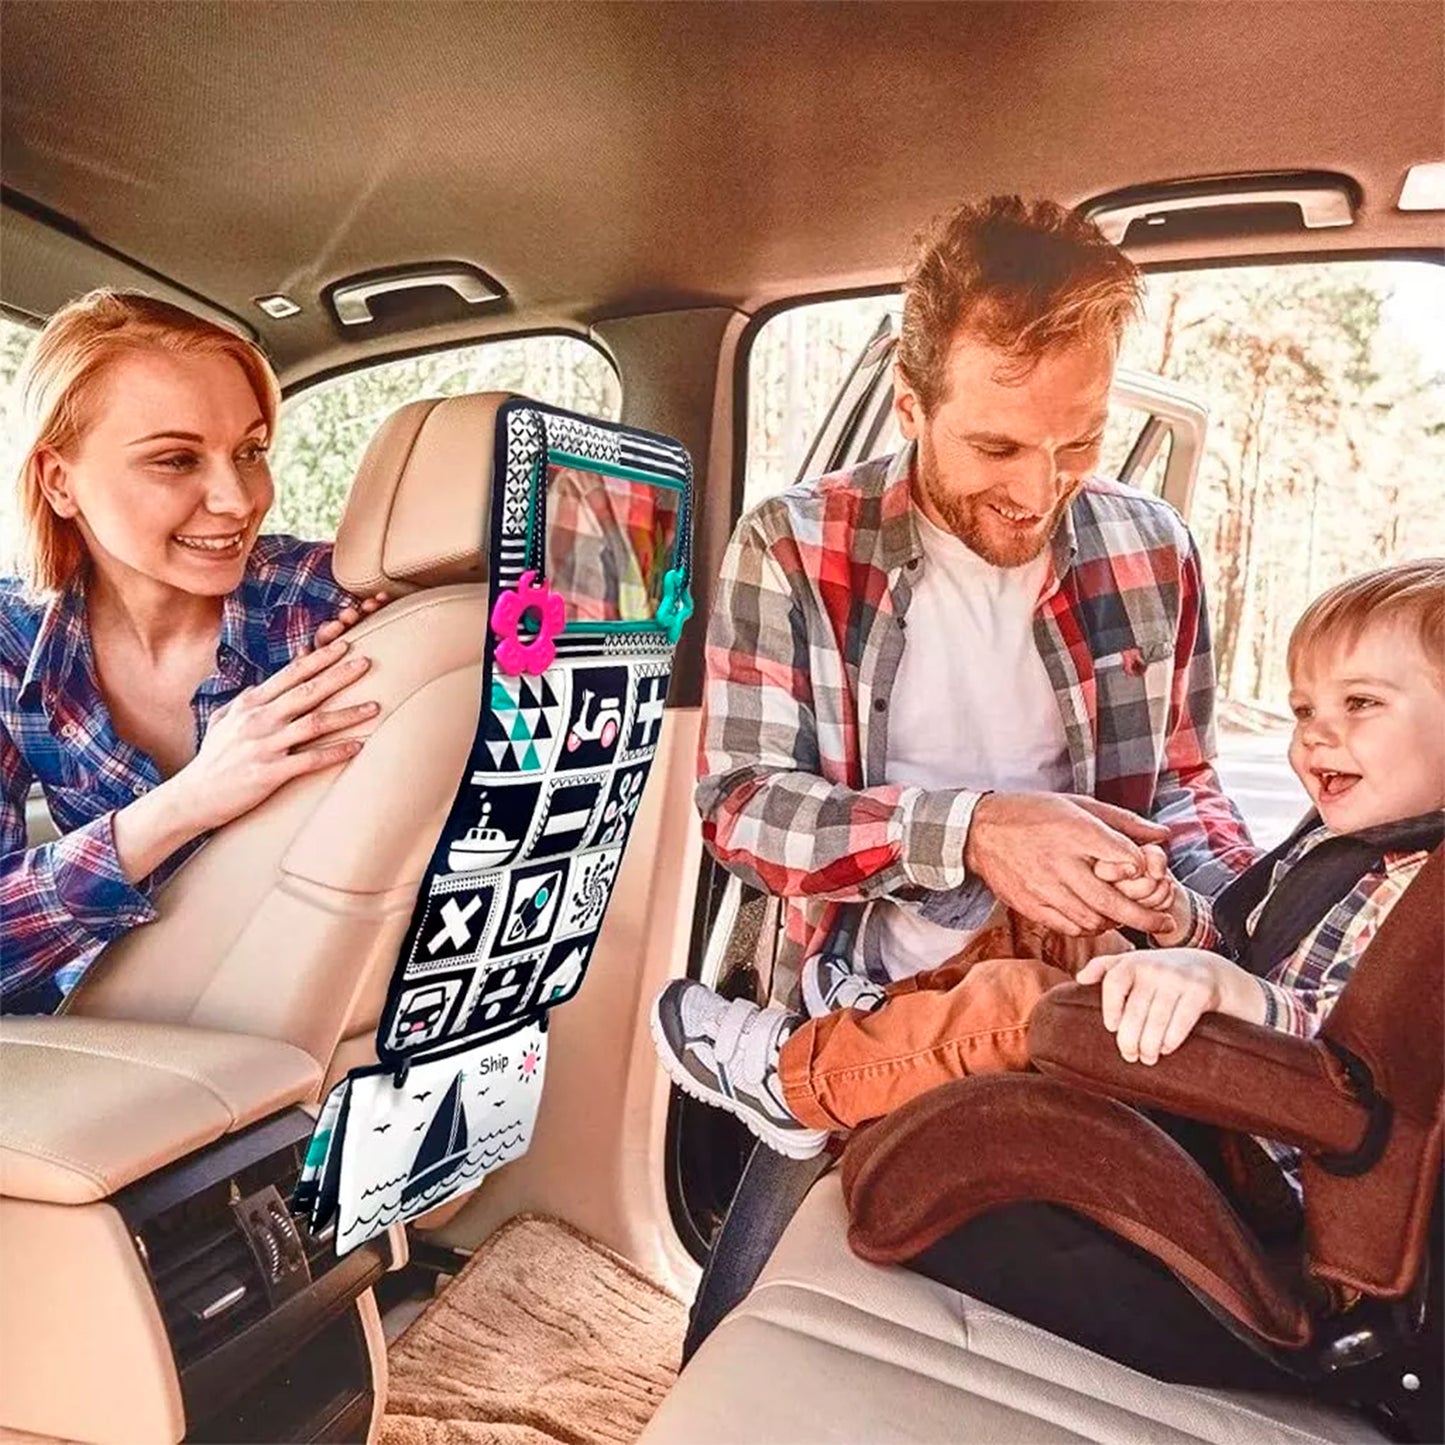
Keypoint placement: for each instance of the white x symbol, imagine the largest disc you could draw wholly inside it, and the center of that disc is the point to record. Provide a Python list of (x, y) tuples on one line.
[(454, 928)]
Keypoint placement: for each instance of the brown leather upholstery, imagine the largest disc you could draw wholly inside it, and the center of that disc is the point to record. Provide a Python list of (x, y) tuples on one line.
[(1369, 1231), (287, 923), (1009, 1137), (1308, 1100)]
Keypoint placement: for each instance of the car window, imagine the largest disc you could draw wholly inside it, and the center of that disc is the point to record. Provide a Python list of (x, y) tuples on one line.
[(1325, 387), (1325, 384), (15, 338), (324, 429), (798, 361)]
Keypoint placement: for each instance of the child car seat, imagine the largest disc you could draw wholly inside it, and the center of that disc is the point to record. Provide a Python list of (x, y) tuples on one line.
[(1349, 1303), (590, 548)]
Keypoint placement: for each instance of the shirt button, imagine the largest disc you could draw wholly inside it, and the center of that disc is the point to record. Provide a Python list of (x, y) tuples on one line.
[(140, 789), (71, 731), (880, 704)]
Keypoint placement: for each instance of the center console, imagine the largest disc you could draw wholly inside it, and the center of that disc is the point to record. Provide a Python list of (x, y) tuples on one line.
[(154, 1285)]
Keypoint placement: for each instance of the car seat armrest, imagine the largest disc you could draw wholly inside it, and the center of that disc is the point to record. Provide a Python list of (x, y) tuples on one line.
[(1228, 1073), (92, 1105)]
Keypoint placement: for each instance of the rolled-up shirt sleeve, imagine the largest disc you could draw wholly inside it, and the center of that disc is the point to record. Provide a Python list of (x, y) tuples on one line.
[(60, 902)]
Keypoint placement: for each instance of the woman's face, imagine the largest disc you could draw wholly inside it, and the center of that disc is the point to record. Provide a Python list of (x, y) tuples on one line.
[(169, 479)]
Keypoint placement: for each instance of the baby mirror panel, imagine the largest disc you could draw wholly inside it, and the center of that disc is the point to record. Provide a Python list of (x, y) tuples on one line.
[(590, 532)]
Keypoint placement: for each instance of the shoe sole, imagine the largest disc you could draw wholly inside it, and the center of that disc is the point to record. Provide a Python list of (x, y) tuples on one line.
[(790, 1145)]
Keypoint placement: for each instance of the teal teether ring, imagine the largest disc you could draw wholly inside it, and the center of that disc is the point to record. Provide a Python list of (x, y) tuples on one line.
[(676, 605)]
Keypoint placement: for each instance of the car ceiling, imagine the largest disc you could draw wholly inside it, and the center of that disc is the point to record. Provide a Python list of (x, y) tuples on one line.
[(608, 159)]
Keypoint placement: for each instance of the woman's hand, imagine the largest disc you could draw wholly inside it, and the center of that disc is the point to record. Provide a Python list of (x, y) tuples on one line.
[(1153, 998), (262, 737), (328, 632)]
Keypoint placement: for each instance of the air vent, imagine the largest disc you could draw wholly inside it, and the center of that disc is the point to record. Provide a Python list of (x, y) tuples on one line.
[(206, 1280)]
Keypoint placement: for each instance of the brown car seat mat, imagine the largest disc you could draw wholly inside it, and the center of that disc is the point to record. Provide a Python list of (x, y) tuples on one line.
[(589, 573)]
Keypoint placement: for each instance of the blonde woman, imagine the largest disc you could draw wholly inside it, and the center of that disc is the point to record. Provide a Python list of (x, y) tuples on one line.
[(161, 661)]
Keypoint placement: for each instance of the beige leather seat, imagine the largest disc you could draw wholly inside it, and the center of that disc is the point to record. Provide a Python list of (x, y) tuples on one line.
[(828, 1348), (287, 923)]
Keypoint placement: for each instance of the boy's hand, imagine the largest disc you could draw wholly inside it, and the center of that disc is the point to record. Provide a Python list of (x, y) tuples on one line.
[(1153, 998), (347, 617), (1155, 888)]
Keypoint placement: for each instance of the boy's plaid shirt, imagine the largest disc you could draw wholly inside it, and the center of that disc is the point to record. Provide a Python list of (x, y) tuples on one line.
[(1300, 991), (807, 631), (62, 902)]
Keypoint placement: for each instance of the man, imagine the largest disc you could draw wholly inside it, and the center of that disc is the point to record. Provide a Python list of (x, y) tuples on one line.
[(964, 675)]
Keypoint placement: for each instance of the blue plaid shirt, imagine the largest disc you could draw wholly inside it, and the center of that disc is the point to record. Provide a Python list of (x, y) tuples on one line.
[(62, 902)]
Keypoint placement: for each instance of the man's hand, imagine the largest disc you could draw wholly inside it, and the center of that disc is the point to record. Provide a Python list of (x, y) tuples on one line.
[(347, 617), (1153, 998), (1037, 851)]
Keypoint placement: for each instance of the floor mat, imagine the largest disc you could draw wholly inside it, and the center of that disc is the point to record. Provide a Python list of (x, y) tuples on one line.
[(544, 1337)]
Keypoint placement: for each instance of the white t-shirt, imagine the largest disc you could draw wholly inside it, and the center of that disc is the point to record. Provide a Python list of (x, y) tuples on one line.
[(971, 706)]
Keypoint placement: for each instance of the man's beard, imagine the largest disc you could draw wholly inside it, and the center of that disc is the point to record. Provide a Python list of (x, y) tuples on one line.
[(974, 522)]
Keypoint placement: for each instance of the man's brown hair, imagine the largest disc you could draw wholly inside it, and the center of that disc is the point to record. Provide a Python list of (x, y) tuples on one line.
[(1022, 276), (1409, 592)]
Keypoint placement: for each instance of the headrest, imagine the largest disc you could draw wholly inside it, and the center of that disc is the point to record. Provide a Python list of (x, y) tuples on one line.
[(419, 511)]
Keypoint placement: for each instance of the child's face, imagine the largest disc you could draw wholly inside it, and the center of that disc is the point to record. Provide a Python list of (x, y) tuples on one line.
[(1369, 737)]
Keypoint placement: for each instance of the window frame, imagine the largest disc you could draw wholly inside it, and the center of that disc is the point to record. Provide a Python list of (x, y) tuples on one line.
[(297, 388)]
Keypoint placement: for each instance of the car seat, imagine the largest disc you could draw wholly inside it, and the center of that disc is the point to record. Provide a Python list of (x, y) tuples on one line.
[(1349, 1305)]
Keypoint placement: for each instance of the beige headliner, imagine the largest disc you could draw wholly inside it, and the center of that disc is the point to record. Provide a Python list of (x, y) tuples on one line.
[(602, 159)]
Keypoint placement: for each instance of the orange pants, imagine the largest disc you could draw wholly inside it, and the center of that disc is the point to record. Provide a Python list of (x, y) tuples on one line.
[(970, 1016)]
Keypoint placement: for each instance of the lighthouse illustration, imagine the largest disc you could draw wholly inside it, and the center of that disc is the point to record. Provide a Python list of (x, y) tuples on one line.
[(444, 1140)]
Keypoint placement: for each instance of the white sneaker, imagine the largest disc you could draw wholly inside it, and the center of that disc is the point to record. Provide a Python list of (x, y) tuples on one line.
[(725, 1052)]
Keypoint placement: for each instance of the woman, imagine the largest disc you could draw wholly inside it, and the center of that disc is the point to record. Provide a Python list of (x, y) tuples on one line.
[(157, 670)]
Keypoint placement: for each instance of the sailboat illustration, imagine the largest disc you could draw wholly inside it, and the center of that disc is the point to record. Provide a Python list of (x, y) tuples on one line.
[(483, 846), (444, 1140)]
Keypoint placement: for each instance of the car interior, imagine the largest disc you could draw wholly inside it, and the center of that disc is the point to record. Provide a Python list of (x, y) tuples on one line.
[(349, 184)]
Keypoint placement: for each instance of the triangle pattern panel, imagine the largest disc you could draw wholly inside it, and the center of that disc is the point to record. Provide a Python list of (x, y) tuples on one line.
[(519, 731)]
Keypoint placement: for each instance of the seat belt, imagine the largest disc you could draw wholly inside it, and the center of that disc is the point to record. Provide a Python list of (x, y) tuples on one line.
[(768, 1195)]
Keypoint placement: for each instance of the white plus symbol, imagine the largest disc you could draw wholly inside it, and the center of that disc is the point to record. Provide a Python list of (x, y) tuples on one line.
[(649, 713), (454, 928)]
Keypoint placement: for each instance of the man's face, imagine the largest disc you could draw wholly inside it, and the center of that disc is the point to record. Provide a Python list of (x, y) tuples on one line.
[(1001, 455)]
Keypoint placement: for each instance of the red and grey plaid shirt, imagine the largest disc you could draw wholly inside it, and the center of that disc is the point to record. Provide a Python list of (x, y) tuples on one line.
[(62, 902), (808, 628), (608, 546)]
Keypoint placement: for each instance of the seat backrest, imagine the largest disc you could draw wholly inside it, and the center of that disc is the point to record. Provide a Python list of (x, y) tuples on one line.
[(287, 923)]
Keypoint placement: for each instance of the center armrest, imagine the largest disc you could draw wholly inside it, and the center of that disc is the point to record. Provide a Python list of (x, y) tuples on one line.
[(92, 1105)]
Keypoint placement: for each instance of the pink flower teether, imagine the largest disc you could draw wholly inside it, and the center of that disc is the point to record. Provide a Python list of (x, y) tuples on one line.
[(529, 652)]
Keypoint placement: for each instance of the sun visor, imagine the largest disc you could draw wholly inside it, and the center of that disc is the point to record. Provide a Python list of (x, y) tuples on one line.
[(48, 263)]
